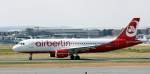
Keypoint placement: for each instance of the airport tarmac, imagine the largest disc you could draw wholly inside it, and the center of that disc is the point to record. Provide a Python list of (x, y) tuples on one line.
[(124, 63), (68, 61), (78, 70)]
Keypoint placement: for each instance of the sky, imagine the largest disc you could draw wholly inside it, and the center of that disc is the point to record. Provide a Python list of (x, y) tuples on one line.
[(74, 13)]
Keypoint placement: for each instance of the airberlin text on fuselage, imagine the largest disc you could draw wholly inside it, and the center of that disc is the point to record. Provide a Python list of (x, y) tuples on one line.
[(52, 43)]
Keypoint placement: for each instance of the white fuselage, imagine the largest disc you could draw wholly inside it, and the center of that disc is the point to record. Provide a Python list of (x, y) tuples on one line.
[(47, 45)]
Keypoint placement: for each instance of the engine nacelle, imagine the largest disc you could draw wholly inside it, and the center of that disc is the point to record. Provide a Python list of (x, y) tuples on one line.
[(60, 53)]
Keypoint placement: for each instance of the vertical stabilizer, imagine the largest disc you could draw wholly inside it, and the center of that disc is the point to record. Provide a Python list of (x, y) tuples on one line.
[(130, 32)]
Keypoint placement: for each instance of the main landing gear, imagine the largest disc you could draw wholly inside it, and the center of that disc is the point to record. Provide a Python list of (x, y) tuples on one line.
[(30, 57), (74, 57)]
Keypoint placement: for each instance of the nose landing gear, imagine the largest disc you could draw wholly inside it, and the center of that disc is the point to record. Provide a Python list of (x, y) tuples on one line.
[(30, 57)]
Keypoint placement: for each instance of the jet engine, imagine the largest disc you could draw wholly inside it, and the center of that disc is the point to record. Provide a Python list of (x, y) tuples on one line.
[(60, 53)]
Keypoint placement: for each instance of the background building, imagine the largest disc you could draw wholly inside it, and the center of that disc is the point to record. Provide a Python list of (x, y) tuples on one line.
[(37, 32)]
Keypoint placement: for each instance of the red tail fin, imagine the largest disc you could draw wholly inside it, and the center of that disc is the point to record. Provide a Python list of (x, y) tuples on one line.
[(129, 33)]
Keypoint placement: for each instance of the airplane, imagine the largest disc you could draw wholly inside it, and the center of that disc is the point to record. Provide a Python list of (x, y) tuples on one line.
[(61, 48)]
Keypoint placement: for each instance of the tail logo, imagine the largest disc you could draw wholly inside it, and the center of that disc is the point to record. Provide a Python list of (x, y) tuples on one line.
[(131, 30)]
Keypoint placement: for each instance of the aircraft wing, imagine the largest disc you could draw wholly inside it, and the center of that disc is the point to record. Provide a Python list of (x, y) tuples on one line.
[(82, 48)]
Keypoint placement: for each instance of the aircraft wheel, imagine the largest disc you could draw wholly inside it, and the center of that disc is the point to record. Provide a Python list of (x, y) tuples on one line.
[(30, 57), (72, 57), (77, 57)]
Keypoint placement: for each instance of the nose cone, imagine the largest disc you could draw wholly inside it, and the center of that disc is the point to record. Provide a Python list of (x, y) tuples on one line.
[(15, 48)]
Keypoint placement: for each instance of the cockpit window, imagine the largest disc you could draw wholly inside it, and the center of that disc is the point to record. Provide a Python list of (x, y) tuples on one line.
[(21, 43)]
